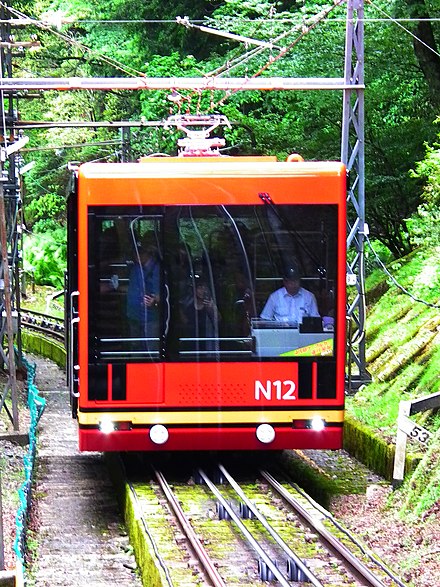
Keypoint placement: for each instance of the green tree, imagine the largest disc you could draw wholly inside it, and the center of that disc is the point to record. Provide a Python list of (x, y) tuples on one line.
[(425, 40), (400, 106), (399, 115), (425, 224)]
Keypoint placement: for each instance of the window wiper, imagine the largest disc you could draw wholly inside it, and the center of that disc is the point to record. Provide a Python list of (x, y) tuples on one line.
[(300, 242)]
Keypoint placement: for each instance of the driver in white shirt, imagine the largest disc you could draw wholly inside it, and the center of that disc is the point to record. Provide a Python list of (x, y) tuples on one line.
[(291, 302)]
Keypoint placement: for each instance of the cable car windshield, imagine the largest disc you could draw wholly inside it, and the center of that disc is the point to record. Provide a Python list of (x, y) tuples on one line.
[(204, 283)]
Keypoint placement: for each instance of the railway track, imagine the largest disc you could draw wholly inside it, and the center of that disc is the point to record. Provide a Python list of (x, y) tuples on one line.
[(231, 531), (41, 323)]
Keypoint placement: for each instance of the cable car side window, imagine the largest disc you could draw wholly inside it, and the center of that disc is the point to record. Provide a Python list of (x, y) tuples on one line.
[(124, 286)]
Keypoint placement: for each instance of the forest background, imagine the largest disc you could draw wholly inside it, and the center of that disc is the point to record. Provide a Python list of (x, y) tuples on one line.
[(124, 38)]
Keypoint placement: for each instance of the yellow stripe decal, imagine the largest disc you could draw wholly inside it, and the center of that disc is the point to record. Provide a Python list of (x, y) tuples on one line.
[(215, 418)]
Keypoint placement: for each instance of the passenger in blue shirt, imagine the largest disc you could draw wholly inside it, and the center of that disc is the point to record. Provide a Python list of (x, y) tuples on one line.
[(143, 298)]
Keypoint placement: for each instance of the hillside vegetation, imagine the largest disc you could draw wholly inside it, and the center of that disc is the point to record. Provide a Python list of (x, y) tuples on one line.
[(403, 354)]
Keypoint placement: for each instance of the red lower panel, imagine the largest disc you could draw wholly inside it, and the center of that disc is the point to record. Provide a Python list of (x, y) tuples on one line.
[(208, 439)]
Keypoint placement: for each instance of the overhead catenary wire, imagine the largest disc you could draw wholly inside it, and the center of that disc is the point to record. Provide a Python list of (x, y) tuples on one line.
[(23, 21), (134, 73), (305, 27), (126, 69), (241, 59), (305, 30), (240, 38), (72, 146)]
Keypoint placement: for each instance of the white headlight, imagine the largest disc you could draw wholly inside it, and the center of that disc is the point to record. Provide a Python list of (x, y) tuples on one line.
[(265, 433), (106, 425), (318, 424), (159, 434)]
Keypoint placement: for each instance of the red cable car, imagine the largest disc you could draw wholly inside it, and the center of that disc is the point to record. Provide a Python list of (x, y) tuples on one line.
[(207, 304)]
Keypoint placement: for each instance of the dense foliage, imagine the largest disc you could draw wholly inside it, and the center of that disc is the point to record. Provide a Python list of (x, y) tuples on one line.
[(45, 258), (123, 38)]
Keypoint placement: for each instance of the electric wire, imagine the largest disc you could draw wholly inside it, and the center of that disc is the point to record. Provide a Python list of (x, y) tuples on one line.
[(68, 39), (394, 280), (305, 27), (133, 72), (232, 64), (301, 26), (395, 21), (305, 31), (136, 73), (238, 19), (320, 17), (72, 146), (233, 36)]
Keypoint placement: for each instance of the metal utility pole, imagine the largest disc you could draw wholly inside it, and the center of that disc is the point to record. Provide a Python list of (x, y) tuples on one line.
[(353, 155), (5, 300), (10, 204)]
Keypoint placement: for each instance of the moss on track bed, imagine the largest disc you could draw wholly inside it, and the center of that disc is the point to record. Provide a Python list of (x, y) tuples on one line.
[(334, 473), (320, 480)]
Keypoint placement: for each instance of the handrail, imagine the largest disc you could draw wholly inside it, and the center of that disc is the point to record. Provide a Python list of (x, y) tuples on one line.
[(74, 320)]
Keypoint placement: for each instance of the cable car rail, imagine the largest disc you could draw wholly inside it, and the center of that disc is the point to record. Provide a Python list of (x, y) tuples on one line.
[(43, 323), (356, 566), (265, 546)]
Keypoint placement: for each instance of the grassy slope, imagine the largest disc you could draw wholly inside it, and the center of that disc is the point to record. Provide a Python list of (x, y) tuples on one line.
[(403, 355)]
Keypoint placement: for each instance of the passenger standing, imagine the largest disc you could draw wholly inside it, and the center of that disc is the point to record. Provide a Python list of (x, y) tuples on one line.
[(201, 317), (143, 298)]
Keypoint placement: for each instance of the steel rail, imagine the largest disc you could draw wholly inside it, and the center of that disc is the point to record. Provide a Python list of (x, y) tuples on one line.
[(356, 566), (50, 325), (373, 558), (173, 83), (42, 315), (202, 555), (51, 333), (310, 577), (251, 540)]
